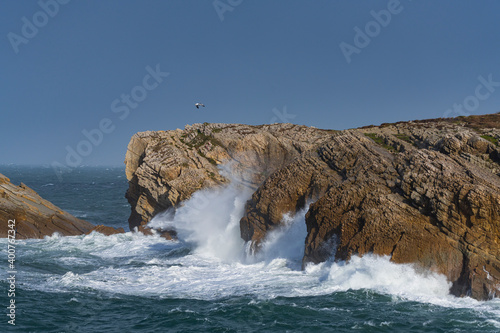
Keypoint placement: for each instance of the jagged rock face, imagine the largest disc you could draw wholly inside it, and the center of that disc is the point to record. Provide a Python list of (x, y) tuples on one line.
[(437, 207), (165, 168), (34, 216), (307, 177), (423, 192), (426, 209)]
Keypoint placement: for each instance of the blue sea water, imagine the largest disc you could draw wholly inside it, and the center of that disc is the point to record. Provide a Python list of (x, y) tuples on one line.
[(206, 281)]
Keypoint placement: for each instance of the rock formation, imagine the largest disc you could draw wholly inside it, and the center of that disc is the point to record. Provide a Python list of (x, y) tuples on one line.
[(34, 216), (167, 167), (423, 192), (106, 230)]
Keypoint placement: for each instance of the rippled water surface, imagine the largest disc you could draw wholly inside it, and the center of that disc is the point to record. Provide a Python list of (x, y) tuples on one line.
[(205, 281)]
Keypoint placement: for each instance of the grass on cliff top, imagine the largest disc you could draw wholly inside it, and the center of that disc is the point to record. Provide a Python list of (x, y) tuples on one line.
[(403, 137), (380, 141), (375, 138), (490, 139), (476, 122)]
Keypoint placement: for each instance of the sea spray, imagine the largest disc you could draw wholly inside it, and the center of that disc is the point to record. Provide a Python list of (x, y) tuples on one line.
[(156, 267), (208, 263), (286, 241), (381, 275), (212, 229), (130, 281), (210, 221)]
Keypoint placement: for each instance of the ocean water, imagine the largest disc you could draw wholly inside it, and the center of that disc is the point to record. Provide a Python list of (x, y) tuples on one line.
[(207, 281)]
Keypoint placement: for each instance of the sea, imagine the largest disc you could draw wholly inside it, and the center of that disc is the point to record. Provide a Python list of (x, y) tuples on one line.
[(207, 280)]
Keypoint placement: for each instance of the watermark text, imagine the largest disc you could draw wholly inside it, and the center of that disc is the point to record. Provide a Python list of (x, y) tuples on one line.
[(30, 27), (373, 28), (122, 107), (471, 103), (223, 6), (11, 272)]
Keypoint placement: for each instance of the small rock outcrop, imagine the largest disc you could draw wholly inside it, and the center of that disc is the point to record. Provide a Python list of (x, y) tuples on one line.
[(106, 230), (423, 192), (34, 216)]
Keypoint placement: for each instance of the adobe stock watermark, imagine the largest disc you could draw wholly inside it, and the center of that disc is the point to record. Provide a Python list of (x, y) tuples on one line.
[(471, 103), (373, 28), (223, 6), (121, 107), (11, 271), (281, 116), (30, 27)]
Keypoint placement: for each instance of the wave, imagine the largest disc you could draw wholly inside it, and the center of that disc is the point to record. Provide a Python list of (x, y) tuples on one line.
[(150, 266), (209, 262), (209, 222)]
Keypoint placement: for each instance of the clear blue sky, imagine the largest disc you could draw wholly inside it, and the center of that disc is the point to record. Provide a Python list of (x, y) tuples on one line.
[(263, 56)]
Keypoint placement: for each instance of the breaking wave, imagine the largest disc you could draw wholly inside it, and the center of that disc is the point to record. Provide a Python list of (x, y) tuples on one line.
[(209, 262)]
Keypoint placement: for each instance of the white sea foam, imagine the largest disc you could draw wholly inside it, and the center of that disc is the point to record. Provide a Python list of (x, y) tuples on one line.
[(287, 241), (380, 274), (208, 262), (148, 270), (210, 221)]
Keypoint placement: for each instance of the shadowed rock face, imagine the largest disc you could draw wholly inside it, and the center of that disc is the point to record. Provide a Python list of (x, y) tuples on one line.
[(423, 192), (34, 216)]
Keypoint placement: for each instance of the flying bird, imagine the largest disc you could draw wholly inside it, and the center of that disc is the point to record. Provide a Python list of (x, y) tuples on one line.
[(198, 105)]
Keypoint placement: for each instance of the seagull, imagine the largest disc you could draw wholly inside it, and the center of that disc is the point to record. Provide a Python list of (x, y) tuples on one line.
[(198, 105)]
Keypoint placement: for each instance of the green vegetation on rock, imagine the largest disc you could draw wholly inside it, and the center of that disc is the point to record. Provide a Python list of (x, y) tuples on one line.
[(403, 137), (490, 139), (380, 141)]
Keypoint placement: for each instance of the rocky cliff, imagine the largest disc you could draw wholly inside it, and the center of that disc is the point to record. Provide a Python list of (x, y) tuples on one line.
[(423, 192), (166, 167), (34, 216)]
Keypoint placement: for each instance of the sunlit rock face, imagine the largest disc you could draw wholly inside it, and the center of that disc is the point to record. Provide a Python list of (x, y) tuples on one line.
[(423, 192), (34, 216)]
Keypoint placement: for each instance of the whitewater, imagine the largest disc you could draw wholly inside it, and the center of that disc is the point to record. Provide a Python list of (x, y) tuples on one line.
[(207, 280)]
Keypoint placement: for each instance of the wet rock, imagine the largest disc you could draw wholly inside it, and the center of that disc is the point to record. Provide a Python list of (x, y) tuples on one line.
[(106, 230)]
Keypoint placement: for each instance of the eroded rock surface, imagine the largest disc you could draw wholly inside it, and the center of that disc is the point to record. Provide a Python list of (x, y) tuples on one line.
[(423, 192), (35, 217), (167, 167)]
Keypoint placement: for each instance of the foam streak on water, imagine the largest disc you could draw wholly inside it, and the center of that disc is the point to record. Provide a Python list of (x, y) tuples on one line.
[(208, 262)]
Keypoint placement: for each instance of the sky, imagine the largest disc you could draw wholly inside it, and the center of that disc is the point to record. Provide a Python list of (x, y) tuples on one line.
[(79, 78)]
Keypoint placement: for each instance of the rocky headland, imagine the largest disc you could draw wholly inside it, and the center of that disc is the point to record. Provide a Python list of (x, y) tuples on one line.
[(423, 192), (36, 217)]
